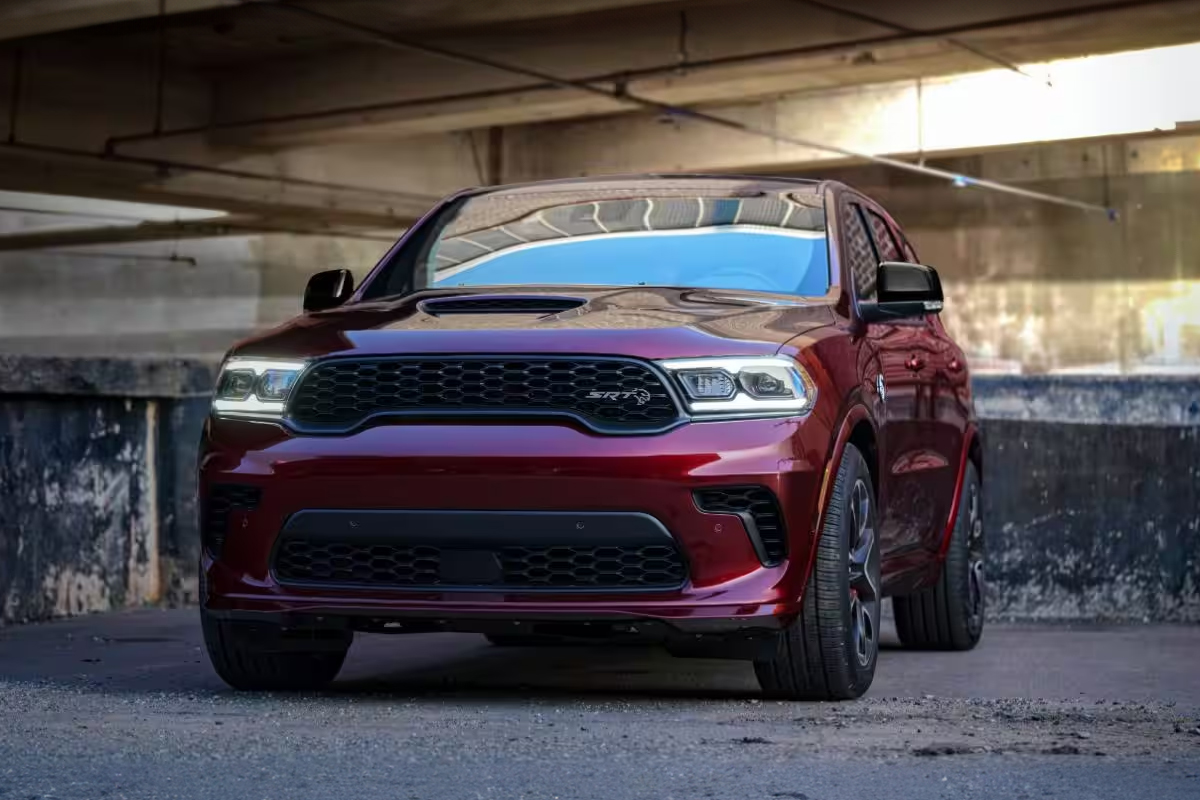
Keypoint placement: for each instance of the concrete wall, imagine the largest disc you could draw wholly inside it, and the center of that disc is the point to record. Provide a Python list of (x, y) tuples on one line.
[(1092, 497), (1039, 288), (1031, 287), (1092, 500), (158, 298)]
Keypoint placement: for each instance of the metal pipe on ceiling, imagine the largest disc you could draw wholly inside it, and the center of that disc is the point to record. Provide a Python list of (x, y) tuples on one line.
[(160, 68), (945, 34), (14, 104), (172, 258), (390, 40)]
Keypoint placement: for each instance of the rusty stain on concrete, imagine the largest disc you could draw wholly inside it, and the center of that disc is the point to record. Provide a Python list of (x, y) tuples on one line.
[(144, 563)]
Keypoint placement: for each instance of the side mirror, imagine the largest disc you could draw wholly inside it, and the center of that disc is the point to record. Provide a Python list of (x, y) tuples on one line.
[(903, 290), (328, 289)]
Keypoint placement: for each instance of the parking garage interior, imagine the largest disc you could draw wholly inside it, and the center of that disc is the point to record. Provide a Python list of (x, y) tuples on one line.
[(173, 171)]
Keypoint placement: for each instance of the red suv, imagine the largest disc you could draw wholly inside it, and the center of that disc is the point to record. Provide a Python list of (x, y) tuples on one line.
[(715, 413)]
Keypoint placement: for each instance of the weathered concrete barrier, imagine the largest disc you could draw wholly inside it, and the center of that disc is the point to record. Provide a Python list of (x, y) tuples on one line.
[(1092, 500), (97, 489), (1092, 497)]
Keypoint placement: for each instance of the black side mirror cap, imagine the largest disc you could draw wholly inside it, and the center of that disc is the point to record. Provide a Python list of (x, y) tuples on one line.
[(328, 289), (904, 290)]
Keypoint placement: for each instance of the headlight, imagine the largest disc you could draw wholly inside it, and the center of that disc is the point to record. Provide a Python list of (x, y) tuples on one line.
[(254, 387), (743, 386)]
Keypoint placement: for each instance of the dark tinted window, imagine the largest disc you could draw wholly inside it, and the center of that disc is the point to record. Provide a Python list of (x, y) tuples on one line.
[(859, 255), (885, 242)]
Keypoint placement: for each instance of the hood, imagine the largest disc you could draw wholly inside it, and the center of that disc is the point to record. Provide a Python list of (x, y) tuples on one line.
[(644, 322)]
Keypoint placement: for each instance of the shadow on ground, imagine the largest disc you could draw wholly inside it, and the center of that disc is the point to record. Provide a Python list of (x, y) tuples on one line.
[(155, 651)]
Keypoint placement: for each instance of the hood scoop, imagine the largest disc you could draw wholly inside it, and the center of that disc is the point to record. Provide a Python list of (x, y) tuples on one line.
[(500, 304)]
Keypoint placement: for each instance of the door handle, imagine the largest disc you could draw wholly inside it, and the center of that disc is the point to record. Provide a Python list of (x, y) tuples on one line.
[(915, 363)]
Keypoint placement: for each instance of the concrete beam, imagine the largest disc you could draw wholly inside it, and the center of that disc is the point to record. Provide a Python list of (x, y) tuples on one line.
[(22, 18), (1121, 94), (369, 93), (174, 230), (87, 175), (428, 15), (55, 139), (124, 234)]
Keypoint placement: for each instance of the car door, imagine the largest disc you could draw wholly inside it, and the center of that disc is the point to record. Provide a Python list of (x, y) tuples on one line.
[(938, 365), (909, 355), (952, 411), (893, 388)]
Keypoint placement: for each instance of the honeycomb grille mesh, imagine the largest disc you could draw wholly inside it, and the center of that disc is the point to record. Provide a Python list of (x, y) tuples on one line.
[(398, 565), (608, 393), (762, 506), (222, 500), (372, 565), (650, 565)]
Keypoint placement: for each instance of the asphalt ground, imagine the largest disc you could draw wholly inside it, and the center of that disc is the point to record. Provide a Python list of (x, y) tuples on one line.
[(126, 706)]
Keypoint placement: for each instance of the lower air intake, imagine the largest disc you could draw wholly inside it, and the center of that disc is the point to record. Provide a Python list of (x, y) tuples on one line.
[(222, 500), (759, 508), (345, 563)]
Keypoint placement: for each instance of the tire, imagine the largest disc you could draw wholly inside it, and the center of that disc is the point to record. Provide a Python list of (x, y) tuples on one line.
[(830, 651), (949, 615), (258, 658)]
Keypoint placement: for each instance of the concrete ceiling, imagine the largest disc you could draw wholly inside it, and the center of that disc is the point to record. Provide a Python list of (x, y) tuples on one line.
[(281, 78), (110, 99)]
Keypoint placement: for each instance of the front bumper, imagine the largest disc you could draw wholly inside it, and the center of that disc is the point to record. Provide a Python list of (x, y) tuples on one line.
[(521, 468)]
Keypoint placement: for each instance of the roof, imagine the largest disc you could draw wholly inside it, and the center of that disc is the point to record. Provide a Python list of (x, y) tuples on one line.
[(742, 183)]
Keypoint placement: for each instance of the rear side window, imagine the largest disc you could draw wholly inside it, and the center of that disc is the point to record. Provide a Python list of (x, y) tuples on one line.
[(885, 242), (860, 256)]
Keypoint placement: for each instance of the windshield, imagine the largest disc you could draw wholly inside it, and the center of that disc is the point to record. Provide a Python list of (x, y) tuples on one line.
[(729, 234)]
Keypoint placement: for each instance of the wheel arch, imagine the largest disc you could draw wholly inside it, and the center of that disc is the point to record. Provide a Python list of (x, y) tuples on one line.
[(972, 453), (856, 428), (975, 451), (862, 436)]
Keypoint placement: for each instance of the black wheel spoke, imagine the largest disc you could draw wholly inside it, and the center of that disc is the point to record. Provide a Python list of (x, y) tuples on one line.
[(863, 574), (975, 574)]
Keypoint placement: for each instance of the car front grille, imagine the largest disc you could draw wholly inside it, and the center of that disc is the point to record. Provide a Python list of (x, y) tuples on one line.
[(222, 500), (607, 394), (308, 561), (760, 503)]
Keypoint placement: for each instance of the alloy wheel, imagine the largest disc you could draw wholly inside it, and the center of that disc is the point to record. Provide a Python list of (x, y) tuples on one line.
[(864, 575), (975, 580)]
